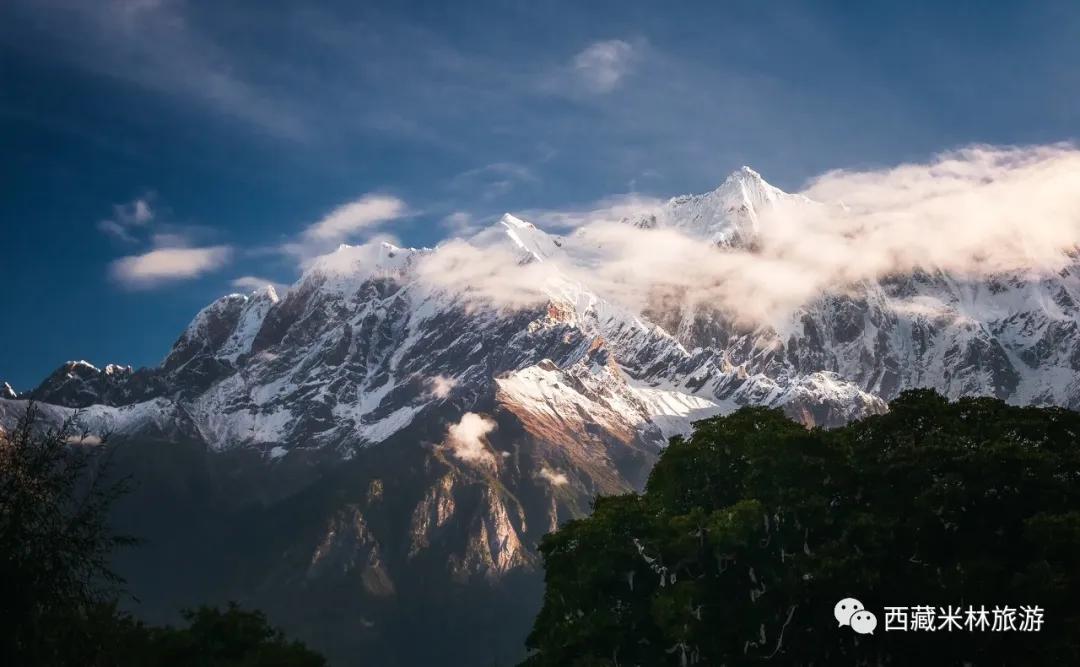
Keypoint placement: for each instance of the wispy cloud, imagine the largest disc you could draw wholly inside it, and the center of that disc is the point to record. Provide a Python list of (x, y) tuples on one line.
[(440, 386), (489, 274), (352, 74), (154, 45), (615, 208), (171, 251), (352, 221), (250, 283), (553, 477), (365, 213), (595, 72), (602, 66), (459, 223), (974, 212), (168, 264), (139, 212), (493, 180)]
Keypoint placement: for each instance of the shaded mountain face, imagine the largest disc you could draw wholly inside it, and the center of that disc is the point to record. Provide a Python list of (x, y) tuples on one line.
[(367, 454)]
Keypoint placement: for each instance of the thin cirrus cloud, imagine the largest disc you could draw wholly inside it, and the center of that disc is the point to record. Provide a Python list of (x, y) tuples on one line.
[(128, 217), (602, 66), (157, 46), (493, 180), (163, 265)]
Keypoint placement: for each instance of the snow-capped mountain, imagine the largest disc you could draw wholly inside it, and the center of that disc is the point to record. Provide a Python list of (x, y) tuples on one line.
[(350, 354), (391, 430), (727, 216)]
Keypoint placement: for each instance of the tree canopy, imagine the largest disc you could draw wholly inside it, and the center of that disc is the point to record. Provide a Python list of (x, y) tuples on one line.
[(55, 542), (58, 594), (751, 530), (232, 637)]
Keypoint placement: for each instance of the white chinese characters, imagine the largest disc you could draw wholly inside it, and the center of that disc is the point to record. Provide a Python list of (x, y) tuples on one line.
[(924, 618)]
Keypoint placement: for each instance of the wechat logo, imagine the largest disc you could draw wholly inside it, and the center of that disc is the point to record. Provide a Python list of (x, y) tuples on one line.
[(852, 613)]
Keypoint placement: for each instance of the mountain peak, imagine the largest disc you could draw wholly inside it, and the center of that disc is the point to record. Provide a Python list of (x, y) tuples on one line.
[(729, 215), (511, 221), (523, 237), (270, 292), (81, 365), (744, 186), (79, 384), (746, 172), (267, 292), (347, 267)]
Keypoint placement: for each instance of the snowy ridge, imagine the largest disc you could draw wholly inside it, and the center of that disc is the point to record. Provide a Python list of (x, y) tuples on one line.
[(227, 327), (533, 243), (156, 418), (729, 215), (347, 268), (348, 356)]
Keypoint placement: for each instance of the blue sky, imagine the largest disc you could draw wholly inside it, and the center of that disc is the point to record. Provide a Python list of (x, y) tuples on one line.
[(222, 135)]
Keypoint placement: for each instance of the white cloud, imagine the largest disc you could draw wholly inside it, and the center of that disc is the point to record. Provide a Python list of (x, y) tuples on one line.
[(466, 438), (553, 477), (251, 283), (973, 212), (172, 253), (369, 211), (319, 240), (168, 264), (491, 275), (440, 386), (601, 66)]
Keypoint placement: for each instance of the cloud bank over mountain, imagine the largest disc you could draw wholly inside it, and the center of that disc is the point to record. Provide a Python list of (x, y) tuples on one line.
[(973, 212)]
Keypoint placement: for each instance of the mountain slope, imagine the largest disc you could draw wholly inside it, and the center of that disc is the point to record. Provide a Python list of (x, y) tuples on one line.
[(371, 449)]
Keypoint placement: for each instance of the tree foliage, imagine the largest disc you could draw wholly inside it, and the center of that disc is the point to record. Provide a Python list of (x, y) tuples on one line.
[(55, 542), (58, 594), (233, 637), (753, 528)]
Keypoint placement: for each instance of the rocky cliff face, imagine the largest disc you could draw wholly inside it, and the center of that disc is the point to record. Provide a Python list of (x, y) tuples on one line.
[(367, 452)]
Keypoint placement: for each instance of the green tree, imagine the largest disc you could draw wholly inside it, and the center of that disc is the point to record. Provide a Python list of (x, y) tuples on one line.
[(59, 596), (750, 531), (232, 637), (55, 542)]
